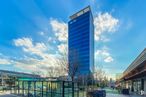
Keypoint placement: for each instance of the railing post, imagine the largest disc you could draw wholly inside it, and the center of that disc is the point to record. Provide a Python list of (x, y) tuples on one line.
[(72, 89), (63, 88), (78, 89), (29, 88), (35, 89), (42, 89), (23, 87), (18, 87), (47, 90), (51, 89)]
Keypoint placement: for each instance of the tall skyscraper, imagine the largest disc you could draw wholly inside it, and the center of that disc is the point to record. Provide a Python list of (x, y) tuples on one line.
[(81, 42)]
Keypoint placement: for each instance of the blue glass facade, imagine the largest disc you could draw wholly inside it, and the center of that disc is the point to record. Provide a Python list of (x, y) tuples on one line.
[(81, 41)]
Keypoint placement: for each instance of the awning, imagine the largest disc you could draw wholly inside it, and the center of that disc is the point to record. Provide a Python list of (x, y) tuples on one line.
[(137, 75)]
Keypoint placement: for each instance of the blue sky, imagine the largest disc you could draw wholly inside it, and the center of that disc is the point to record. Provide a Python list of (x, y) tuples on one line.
[(35, 31)]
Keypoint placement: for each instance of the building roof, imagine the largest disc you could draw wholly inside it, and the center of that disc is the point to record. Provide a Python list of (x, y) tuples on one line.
[(77, 14), (138, 61), (18, 74)]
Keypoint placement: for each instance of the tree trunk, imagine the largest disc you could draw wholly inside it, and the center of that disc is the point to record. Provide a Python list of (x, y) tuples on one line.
[(72, 78)]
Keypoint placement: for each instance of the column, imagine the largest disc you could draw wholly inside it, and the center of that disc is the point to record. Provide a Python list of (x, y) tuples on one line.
[(142, 84), (132, 87), (145, 86)]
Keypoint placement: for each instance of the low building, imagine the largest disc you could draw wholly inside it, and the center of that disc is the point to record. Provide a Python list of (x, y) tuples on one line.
[(134, 77), (7, 78)]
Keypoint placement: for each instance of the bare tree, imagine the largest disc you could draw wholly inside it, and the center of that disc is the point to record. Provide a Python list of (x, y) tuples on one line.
[(52, 72), (99, 73), (70, 68), (55, 71), (100, 77), (62, 63), (38, 73)]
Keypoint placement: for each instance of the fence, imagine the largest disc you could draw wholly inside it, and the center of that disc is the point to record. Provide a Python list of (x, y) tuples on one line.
[(43, 88)]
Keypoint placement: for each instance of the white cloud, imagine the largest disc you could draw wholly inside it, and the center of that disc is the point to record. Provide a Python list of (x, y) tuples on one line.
[(62, 48), (37, 49), (104, 23), (43, 65), (30, 47), (5, 61), (26, 42), (108, 59), (34, 64), (104, 55), (48, 60), (60, 29)]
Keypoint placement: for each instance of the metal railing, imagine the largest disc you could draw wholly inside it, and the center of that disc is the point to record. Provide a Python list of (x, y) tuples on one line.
[(47, 89)]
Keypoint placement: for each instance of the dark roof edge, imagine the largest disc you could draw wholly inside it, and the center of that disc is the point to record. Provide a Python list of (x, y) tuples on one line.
[(136, 59), (74, 15), (7, 71)]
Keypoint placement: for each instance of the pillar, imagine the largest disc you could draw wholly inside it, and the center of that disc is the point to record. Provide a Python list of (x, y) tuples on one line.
[(132, 87), (145, 86), (142, 84)]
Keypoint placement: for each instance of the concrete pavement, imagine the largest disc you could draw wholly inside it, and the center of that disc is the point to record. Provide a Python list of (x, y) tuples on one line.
[(108, 95), (8, 95), (120, 95), (117, 95)]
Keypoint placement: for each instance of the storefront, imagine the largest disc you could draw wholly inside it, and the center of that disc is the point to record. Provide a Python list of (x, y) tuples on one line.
[(134, 77), (145, 85), (137, 86)]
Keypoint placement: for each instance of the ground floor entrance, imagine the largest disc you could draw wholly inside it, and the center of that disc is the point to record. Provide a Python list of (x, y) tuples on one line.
[(145, 86), (135, 85)]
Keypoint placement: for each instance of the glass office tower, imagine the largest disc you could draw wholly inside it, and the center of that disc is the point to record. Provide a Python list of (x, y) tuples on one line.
[(81, 42)]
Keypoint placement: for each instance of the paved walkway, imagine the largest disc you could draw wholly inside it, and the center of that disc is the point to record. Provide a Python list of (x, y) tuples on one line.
[(8, 95), (120, 95), (108, 95), (116, 95)]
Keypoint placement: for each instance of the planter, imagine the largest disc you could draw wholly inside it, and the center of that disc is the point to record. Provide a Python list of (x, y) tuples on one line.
[(97, 93), (125, 91)]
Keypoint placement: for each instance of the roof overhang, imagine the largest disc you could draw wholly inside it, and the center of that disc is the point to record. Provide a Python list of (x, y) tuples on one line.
[(140, 74)]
